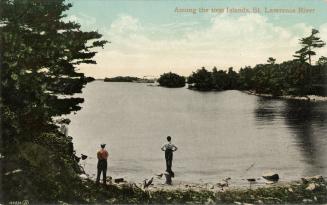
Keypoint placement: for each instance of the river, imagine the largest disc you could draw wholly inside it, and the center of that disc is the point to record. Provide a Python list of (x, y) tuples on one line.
[(218, 134)]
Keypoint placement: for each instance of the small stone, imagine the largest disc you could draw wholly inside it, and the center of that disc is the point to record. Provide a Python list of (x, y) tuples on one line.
[(119, 180), (311, 187), (210, 201), (317, 178), (236, 202), (315, 198), (271, 176), (306, 200), (290, 190), (83, 176)]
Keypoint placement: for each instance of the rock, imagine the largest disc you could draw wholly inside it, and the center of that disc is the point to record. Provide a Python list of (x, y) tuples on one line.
[(109, 179), (307, 201), (83, 176), (317, 178), (311, 187), (236, 202), (212, 187), (119, 180), (290, 190), (271, 176), (210, 201), (13, 172), (315, 198)]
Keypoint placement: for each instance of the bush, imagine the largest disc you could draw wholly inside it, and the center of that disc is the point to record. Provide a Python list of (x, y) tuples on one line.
[(171, 80)]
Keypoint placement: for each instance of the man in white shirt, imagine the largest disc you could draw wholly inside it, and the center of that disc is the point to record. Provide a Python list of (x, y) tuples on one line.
[(169, 148)]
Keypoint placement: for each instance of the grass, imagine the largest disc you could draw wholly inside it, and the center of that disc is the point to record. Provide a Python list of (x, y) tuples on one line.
[(276, 194)]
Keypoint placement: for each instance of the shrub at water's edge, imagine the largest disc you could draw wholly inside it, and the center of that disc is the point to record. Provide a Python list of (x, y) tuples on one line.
[(171, 80)]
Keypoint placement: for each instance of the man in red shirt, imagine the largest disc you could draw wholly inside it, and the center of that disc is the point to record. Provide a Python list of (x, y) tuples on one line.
[(102, 156)]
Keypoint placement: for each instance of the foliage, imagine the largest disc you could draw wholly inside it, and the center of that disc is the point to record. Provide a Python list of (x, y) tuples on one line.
[(308, 44), (294, 77), (171, 80), (131, 194), (39, 56), (201, 80), (216, 80), (121, 79)]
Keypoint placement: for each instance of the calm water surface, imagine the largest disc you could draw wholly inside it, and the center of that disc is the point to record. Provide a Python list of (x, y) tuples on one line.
[(218, 134)]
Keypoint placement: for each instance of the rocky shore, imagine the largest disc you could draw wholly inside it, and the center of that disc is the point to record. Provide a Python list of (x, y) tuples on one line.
[(308, 190), (313, 98)]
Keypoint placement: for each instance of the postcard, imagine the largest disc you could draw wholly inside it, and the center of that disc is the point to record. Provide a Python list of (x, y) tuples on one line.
[(172, 102)]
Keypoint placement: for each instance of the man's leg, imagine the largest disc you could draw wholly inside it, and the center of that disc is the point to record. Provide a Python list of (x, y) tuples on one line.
[(171, 171), (98, 176), (104, 172), (167, 165)]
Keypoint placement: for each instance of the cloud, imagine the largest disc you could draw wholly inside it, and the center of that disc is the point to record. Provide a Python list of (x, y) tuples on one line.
[(85, 20), (142, 49)]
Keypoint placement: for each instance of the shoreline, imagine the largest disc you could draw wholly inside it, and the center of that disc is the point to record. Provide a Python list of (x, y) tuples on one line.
[(311, 98), (310, 190), (179, 185)]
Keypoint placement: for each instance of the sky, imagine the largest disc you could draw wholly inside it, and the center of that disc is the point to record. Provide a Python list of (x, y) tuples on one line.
[(151, 37)]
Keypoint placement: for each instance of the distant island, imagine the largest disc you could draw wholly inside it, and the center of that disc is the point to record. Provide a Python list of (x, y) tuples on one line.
[(171, 80), (129, 79)]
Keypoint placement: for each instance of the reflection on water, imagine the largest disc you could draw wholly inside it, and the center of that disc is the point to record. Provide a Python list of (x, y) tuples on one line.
[(307, 121), (218, 134)]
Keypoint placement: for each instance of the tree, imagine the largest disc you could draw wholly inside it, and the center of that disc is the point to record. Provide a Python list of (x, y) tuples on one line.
[(232, 77), (171, 80), (308, 44), (39, 54), (219, 79), (201, 80), (322, 61), (271, 60)]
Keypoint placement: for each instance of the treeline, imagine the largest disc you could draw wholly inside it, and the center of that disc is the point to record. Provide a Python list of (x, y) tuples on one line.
[(39, 55), (294, 77), (287, 78), (122, 79)]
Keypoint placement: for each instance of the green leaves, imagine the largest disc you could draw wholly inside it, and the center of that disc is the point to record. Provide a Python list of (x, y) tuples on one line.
[(39, 52), (171, 80), (308, 44)]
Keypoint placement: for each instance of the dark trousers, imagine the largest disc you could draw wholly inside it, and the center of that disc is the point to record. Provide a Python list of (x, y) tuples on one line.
[(169, 162), (102, 167)]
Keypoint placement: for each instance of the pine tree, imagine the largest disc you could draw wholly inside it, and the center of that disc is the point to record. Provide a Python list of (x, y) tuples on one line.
[(39, 55), (308, 44)]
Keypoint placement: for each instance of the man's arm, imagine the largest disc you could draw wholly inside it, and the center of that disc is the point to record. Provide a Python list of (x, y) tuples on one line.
[(163, 148), (175, 148)]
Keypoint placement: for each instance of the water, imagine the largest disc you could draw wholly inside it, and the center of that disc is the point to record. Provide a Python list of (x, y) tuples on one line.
[(219, 134)]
